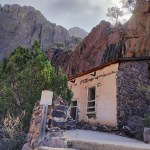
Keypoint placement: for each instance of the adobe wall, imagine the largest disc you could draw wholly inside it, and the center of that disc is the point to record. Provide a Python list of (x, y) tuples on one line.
[(133, 79), (106, 103)]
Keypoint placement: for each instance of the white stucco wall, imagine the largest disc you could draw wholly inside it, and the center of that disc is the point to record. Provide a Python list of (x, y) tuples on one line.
[(106, 101)]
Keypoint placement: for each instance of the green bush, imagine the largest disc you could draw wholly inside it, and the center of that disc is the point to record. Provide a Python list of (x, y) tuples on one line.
[(23, 76)]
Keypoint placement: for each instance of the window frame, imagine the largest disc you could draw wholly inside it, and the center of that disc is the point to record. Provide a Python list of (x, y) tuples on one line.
[(89, 101)]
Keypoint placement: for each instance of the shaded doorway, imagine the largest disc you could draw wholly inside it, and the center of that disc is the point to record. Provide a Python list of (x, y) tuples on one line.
[(74, 110)]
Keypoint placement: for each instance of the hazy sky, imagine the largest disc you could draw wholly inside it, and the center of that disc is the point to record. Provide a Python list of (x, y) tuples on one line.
[(69, 13)]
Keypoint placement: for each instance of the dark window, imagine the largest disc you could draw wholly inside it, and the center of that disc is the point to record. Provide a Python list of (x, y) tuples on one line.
[(74, 110), (90, 109), (74, 103), (91, 101), (91, 104), (92, 93)]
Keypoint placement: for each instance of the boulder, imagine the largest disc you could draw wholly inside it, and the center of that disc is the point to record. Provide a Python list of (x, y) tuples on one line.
[(59, 124), (58, 114), (61, 108), (146, 135), (134, 127)]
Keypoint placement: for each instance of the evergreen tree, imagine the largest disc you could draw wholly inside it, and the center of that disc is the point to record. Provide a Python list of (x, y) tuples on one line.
[(23, 76)]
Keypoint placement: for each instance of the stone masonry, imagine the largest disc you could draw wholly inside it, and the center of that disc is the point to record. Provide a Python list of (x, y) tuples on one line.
[(58, 119), (133, 80)]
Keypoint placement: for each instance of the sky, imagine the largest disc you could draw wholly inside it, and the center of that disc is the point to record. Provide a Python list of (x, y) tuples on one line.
[(85, 14)]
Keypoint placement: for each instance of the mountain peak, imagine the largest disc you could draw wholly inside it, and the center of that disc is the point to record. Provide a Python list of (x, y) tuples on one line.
[(77, 32)]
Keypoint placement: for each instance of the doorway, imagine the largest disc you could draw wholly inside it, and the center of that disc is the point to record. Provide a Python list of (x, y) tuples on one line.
[(74, 110)]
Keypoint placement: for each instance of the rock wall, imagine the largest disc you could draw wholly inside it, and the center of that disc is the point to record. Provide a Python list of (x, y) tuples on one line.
[(133, 80), (60, 115), (57, 119), (35, 125)]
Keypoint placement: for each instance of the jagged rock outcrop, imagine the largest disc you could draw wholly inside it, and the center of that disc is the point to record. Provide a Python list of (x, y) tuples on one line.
[(59, 58), (106, 43), (102, 44), (137, 33), (77, 32), (23, 25)]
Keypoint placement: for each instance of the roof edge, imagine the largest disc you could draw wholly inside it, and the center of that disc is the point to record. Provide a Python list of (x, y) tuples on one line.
[(110, 63)]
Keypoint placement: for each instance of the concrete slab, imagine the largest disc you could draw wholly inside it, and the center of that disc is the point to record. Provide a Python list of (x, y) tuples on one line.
[(51, 148), (95, 139)]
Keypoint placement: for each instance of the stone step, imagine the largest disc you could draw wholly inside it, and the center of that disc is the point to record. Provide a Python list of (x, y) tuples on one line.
[(51, 148), (91, 145), (93, 140)]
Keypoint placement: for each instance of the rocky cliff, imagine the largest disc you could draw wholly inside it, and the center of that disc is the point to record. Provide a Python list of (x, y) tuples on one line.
[(103, 44), (23, 25), (77, 32), (106, 43)]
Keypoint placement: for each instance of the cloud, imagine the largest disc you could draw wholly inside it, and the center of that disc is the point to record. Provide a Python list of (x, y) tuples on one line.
[(68, 13), (82, 13)]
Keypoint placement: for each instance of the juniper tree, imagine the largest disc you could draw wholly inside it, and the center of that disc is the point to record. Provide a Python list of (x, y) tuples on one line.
[(23, 76)]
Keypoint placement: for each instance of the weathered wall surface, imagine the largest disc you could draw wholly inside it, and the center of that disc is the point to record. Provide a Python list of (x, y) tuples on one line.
[(133, 80), (106, 103)]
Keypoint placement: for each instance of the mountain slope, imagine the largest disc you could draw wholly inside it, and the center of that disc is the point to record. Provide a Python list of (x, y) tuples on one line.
[(106, 43), (77, 32), (23, 25)]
